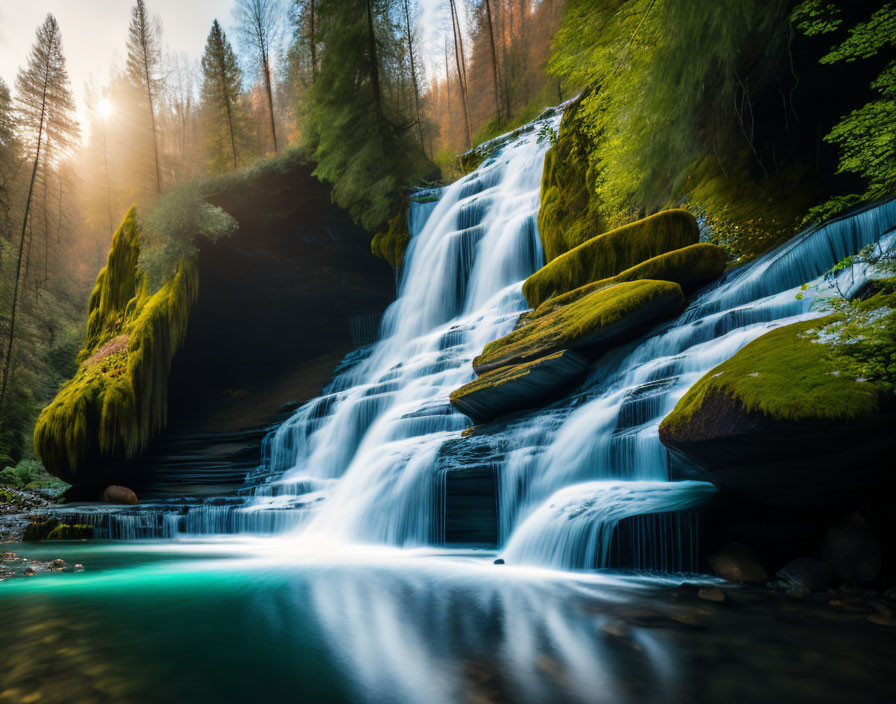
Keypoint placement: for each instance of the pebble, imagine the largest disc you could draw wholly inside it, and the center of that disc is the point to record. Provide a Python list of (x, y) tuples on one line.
[(499, 561), (711, 594), (79, 567), (881, 620)]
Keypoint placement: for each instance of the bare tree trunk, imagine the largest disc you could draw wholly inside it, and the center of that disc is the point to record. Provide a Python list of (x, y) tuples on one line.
[(266, 66), (491, 38), (152, 118), (461, 69), (407, 20), (447, 79)]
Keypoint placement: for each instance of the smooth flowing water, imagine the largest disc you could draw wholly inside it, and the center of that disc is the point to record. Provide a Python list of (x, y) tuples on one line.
[(367, 460)]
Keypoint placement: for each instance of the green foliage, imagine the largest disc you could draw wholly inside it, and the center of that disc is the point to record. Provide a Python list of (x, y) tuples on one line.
[(171, 228), (676, 110), (866, 137), (786, 375), (390, 245), (361, 141), (689, 267), (611, 253), (573, 325), (30, 475), (117, 399)]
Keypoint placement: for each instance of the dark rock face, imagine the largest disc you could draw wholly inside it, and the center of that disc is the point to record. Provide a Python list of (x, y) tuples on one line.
[(852, 550), (806, 573), (115, 494), (738, 563), (280, 303), (804, 462)]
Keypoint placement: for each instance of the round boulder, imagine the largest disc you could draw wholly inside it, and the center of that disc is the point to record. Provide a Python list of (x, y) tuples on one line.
[(806, 573), (115, 494)]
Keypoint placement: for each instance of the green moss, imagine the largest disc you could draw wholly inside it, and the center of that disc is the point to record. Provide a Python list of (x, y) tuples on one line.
[(391, 245), (503, 375), (611, 253), (116, 402), (569, 214), (785, 375), (689, 267), (581, 323), (64, 531)]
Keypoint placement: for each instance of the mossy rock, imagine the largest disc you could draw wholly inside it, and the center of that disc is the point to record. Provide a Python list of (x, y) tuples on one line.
[(590, 326), (65, 531), (118, 398), (781, 396), (612, 253), (39, 530), (568, 215), (690, 267), (391, 245), (519, 386)]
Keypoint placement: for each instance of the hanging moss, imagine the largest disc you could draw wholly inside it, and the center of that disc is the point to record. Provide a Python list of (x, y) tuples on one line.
[(611, 253), (689, 267), (590, 325), (391, 245), (785, 375), (568, 215), (117, 400)]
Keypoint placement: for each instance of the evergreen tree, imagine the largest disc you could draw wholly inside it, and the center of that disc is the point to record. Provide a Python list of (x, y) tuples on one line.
[(46, 116), (144, 58), (356, 132), (221, 87)]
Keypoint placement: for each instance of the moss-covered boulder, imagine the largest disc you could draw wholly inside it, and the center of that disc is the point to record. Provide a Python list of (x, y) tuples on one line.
[(612, 253), (568, 215), (54, 529), (519, 386), (690, 267), (391, 244), (780, 411), (117, 400), (590, 326)]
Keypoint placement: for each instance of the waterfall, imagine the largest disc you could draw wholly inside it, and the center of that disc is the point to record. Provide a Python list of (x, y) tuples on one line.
[(367, 460)]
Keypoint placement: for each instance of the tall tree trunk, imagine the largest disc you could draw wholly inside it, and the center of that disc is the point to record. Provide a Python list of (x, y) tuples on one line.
[(461, 69), (152, 117), (226, 96), (313, 47), (108, 185), (447, 79), (266, 66), (374, 60), (491, 38), (407, 20), (7, 360)]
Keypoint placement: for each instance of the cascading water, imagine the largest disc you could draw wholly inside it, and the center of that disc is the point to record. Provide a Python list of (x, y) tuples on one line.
[(366, 460)]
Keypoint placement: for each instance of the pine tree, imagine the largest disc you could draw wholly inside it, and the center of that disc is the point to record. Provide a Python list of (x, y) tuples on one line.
[(221, 86), (461, 69), (144, 58), (45, 115), (260, 24), (354, 128)]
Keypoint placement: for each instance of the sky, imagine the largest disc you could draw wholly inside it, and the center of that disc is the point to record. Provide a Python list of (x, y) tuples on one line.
[(94, 33)]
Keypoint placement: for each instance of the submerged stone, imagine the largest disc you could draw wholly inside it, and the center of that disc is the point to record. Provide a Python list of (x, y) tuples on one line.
[(739, 563), (519, 386)]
